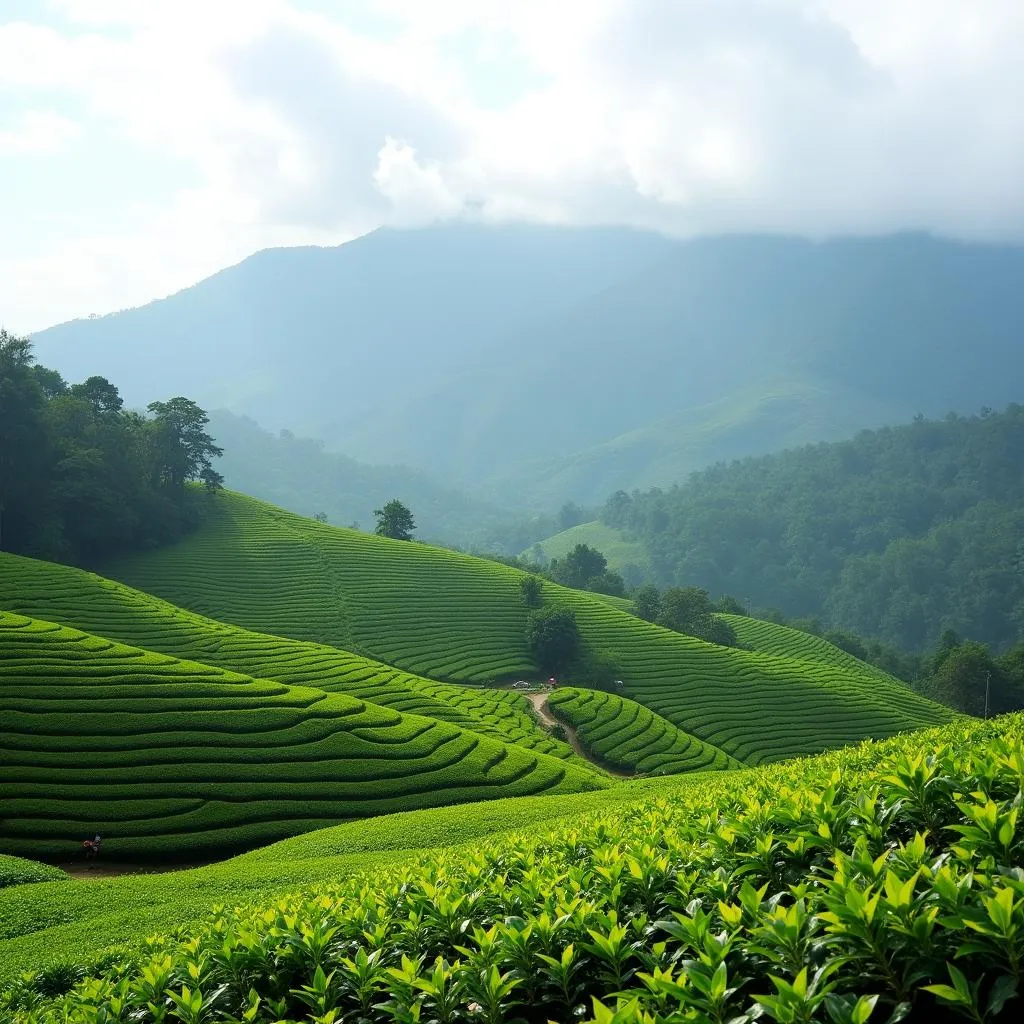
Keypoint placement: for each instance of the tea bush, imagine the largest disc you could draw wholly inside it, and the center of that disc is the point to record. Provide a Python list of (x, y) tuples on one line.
[(19, 871), (457, 618), (879, 883)]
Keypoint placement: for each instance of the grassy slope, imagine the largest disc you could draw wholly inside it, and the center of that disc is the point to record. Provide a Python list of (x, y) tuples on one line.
[(173, 758), (450, 616), (97, 605), (612, 543)]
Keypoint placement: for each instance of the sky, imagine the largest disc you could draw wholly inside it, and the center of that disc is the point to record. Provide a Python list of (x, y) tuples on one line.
[(145, 144)]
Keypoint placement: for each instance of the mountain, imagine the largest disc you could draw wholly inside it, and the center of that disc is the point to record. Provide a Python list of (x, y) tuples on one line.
[(533, 365), (897, 534), (300, 474)]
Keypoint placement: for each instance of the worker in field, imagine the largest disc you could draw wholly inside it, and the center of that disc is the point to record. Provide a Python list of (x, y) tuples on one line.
[(92, 846)]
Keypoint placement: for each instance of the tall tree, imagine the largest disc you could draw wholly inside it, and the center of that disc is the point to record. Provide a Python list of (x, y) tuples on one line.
[(394, 520), (582, 564), (24, 443), (182, 448)]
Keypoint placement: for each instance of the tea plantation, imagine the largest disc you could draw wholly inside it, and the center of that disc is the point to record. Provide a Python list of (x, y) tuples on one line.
[(456, 618), (881, 882), (96, 605), (171, 758), (622, 733)]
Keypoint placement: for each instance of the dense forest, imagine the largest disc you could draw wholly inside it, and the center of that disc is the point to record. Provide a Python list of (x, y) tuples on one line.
[(80, 475), (898, 534)]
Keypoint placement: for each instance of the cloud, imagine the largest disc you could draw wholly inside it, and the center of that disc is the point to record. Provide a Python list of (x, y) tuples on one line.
[(293, 121)]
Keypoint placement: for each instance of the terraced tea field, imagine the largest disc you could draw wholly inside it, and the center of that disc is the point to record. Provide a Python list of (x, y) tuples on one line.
[(626, 735), (457, 618), (97, 605), (169, 758)]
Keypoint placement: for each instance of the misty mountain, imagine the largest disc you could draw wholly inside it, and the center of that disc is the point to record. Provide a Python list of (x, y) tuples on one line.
[(532, 365)]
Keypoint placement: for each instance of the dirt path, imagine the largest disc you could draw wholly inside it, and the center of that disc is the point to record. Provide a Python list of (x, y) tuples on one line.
[(542, 710)]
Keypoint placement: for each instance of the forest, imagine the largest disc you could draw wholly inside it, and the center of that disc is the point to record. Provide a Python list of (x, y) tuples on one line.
[(898, 534), (81, 477)]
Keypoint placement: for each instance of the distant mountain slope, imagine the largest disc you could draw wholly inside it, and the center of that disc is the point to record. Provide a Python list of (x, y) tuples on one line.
[(454, 617), (532, 364), (897, 534), (168, 758), (319, 340), (299, 474)]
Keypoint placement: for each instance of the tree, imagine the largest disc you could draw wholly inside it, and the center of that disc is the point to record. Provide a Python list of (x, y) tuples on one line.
[(598, 670), (25, 453), (320, 517), (582, 564), (394, 520), (531, 588), (647, 603), (100, 394), (689, 610), (553, 638), (607, 583), (570, 515), (182, 449)]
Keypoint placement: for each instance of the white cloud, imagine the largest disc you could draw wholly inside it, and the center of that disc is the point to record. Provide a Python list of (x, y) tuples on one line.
[(38, 131), (815, 116)]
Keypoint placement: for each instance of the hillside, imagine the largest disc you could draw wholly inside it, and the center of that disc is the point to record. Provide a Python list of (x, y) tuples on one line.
[(638, 903), (97, 605), (457, 618), (169, 758), (501, 349), (897, 534)]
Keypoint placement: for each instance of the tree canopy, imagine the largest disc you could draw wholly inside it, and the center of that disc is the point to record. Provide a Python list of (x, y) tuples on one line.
[(394, 520), (82, 477)]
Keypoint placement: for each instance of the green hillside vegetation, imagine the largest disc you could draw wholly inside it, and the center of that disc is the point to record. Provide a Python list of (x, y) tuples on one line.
[(97, 605), (625, 556), (20, 871), (871, 882), (898, 534), (462, 619), (173, 758), (622, 733)]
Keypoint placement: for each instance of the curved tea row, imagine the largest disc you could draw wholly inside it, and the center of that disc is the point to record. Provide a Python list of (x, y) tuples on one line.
[(172, 758), (622, 733)]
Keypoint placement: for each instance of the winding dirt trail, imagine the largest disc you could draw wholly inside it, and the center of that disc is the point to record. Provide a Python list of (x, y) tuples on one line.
[(543, 712)]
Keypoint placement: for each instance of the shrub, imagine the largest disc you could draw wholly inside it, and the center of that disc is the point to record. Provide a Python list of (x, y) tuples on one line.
[(18, 871)]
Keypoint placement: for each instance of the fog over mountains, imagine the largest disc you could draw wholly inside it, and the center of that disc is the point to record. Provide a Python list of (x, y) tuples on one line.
[(531, 365)]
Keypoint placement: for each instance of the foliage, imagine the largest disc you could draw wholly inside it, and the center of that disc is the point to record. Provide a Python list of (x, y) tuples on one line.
[(532, 589), (553, 638), (895, 535), (81, 478), (19, 871), (394, 520), (595, 669), (579, 566), (878, 883), (647, 602)]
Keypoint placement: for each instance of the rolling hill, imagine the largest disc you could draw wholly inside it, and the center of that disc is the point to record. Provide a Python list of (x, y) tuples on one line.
[(453, 617), (170, 758), (533, 365)]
